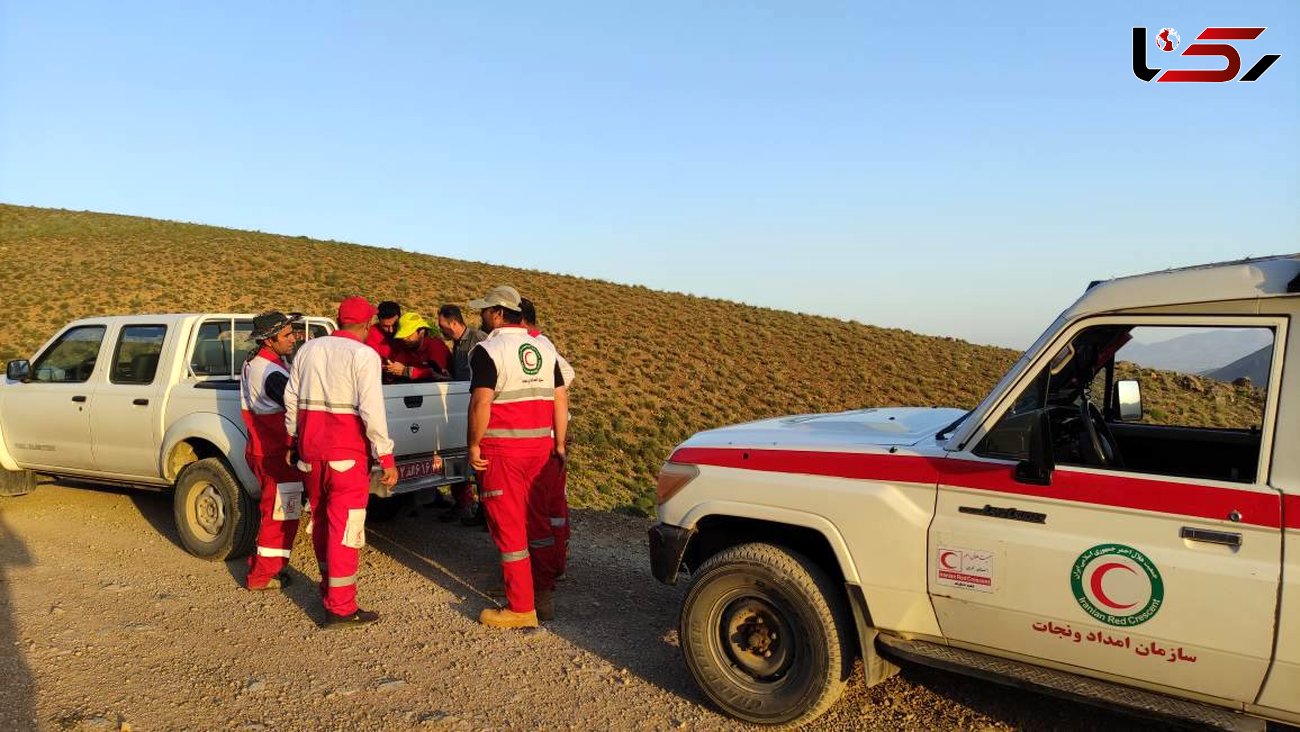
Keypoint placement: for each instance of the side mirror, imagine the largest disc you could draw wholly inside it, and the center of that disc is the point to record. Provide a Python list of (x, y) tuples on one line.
[(1128, 395), (20, 370), (1037, 468)]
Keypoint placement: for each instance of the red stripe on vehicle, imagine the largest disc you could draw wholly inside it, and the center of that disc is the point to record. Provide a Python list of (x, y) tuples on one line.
[(1291, 511), (1184, 499)]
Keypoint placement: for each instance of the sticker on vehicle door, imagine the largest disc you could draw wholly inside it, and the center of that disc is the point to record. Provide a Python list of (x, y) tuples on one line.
[(1117, 585), (968, 569)]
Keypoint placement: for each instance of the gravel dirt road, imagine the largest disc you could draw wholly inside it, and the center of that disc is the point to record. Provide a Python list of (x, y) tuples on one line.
[(105, 623)]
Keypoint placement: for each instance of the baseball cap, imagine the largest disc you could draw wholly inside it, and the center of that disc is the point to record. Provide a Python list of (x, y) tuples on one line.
[(503, 296), (408, 324), (355, 309)]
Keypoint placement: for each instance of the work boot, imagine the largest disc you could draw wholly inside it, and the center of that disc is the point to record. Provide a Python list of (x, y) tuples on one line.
[(356, 619), (279, 581), (504, 617), (544, 602)]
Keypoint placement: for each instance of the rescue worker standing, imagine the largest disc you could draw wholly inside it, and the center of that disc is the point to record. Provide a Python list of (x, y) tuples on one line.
[(518, 418), (261, 397), (551, 489), (334, 413)]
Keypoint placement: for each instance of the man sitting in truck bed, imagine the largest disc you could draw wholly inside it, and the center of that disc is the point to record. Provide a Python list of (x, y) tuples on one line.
[(415, 356)]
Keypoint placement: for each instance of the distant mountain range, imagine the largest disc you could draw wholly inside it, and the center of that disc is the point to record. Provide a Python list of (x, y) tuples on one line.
[(1225, 351), (1254, 367)]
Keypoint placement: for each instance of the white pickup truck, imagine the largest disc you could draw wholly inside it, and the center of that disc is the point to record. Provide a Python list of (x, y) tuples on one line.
[(152, 401), (1062, 536)]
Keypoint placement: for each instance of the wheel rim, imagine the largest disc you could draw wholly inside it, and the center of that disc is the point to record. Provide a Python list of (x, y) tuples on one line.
[(207, 512), (755, 640)]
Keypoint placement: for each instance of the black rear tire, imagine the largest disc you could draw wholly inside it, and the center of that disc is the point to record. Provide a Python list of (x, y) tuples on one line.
[(380, 510), (215, 518), (764, 633)]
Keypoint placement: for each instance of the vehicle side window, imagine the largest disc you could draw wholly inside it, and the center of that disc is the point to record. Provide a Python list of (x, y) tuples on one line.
[(221, 348), (71, 359), (135, 360), (1203, 393)]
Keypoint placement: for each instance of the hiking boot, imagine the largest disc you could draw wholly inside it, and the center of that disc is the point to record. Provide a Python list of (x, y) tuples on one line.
[(504, 617), (544, 602), (356, 619), (277, 582)]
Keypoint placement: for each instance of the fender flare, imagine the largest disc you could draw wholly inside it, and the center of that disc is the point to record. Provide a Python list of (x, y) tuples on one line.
[(222, 432), (812, 521)]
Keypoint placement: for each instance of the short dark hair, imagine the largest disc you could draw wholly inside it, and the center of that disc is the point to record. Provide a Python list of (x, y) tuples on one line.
[(451, 312), (388, 309), (528, 310), (513, 317)]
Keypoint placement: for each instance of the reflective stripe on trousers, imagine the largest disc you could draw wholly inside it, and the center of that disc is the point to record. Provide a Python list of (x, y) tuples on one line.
[(514, 556)]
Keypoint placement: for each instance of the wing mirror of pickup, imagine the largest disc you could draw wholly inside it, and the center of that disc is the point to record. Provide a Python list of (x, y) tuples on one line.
[(1128, 395), (20, 370), (1036, 469)]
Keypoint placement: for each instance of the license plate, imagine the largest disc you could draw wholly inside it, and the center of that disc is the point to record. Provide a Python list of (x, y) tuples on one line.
[(418, 469)]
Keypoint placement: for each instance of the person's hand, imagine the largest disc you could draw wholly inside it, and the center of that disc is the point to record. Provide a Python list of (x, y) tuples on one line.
[(389, 478), (437, 463), (395, 369), (561, 453), (476, 459)]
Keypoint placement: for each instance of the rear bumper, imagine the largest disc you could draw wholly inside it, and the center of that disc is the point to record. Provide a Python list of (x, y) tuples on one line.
[(667, 548)]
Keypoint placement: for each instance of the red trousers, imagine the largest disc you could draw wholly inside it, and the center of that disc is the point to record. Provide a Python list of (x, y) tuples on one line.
[(519, 526), (280, 506), (338, 494), (552, 496)]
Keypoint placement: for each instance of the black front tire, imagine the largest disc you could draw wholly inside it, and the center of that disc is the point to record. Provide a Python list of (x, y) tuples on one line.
[(764, 633), (215, 518)]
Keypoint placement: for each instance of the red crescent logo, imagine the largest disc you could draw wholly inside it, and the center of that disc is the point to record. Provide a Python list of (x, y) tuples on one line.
[(943, 559), (1095, 583)]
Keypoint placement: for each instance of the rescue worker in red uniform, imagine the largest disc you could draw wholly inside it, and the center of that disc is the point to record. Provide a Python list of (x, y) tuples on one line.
[(380, 336), (415, 355), (518, 417), (552, 488), (334, 413), (261, 396)]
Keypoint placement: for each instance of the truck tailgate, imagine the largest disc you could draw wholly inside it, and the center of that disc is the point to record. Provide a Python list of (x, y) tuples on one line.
[(424, 419)]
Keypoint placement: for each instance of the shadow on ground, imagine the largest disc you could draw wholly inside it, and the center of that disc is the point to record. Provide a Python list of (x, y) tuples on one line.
[(17, 685)]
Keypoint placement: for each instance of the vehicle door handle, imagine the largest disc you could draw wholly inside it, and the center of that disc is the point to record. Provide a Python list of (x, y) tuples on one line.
[(140, 402), (1209, 536), (413, 402), (79, 398)]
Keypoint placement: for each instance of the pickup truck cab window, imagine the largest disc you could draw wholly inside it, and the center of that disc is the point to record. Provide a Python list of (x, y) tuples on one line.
[(135, 359), (71, 359)]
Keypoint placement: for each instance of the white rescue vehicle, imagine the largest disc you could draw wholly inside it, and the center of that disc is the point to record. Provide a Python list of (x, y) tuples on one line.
[(1059, 537), (152, 401)]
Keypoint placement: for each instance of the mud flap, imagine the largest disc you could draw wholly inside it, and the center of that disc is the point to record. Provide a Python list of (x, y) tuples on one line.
[(875, 667)]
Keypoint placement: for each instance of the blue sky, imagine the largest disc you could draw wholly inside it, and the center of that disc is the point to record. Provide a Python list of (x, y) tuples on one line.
[(956, 168)]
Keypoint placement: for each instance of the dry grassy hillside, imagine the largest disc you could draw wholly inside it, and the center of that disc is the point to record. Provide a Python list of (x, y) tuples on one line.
[(653, 367)]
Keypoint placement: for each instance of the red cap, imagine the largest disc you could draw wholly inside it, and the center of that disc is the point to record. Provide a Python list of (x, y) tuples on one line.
[(355, 310)]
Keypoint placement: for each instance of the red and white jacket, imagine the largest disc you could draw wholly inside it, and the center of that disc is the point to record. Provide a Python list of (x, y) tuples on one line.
[(334, 403), (263, 415), (522, 419)]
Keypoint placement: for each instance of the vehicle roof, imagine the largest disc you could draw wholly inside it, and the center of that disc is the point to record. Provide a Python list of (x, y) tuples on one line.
[(174, 317), (1244, 279)]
